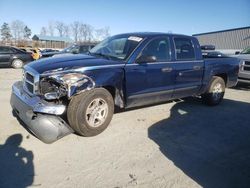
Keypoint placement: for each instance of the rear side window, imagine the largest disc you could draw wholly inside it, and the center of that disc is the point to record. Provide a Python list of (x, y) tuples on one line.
[(184, 49), (4, 50)]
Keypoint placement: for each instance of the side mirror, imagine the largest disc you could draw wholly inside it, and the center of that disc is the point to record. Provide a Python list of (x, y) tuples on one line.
[(145, 59), (237, 53)]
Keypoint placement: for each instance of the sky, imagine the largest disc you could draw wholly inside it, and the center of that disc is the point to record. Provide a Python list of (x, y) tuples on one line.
[(176, 16)]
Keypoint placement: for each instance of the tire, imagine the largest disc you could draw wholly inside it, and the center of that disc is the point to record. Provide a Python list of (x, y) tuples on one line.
[(90, 113), (17, 63), (215, 92)]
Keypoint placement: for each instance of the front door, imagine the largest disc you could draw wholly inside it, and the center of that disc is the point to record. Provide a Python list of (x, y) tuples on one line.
[(150, 80)]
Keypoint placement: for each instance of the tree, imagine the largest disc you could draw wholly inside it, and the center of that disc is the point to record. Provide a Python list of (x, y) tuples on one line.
[(5, 32), (83, 32), (90, 30), (86, 32), (75, 29), (27, 32), (17, 28), (43, 31), (66, 31), (60, 28), (102, 33), (51, 28)]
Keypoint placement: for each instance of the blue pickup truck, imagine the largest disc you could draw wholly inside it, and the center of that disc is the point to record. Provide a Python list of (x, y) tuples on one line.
[(78, 93)]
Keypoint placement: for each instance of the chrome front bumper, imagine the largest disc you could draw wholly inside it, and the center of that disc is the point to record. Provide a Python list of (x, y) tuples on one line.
[(244, 77), (42, 118)]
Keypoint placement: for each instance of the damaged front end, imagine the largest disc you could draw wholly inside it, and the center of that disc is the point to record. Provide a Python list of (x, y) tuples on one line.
[(54, 86), (40, 101)]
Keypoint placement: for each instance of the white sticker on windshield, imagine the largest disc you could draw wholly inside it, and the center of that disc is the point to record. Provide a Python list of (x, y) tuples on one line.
[(134, 38)]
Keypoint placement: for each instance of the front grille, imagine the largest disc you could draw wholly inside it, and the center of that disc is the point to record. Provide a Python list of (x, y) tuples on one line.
[(29, 77), (246, 68), (247, 62), (30, 87), (30, 81)]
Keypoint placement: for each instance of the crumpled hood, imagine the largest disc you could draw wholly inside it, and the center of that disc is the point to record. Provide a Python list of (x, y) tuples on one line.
[(69, 62)]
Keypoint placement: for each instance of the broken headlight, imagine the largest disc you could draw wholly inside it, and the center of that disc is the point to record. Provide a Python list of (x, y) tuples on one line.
[(51, 89), (70, 78), (59, 85)]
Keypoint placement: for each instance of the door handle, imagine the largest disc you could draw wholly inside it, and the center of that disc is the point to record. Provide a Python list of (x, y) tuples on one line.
[(167, 69), (196, 67)]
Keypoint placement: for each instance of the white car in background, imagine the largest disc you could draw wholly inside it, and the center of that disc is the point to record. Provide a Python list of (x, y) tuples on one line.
[(244, 72)]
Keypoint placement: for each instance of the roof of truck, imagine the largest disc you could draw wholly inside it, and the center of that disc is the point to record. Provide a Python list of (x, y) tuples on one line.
[(151, 34)]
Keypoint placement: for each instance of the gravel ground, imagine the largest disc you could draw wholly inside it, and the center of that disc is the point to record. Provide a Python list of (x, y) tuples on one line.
[(178, 144)]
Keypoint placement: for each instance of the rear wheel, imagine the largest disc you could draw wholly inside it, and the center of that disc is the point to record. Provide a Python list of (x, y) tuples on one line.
[(90, 113), (215, 92), (17, 63)]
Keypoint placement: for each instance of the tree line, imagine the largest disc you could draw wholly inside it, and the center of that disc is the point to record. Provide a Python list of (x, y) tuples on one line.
[(77, 30), (18, 33), (15, 33)]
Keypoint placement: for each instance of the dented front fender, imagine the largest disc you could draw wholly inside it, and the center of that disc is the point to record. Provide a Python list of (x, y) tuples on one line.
[(76, 82), (80, 86)]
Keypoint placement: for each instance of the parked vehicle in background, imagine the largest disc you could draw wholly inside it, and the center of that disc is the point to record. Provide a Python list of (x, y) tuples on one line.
[(213, 54), (78, 93), (208, 51), (36, 54), (14, 57), (74, 49), (244, 73), (49, 50), (245, 51)]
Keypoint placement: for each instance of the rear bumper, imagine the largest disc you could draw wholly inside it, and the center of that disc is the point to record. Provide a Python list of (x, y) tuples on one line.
[(40, 117)]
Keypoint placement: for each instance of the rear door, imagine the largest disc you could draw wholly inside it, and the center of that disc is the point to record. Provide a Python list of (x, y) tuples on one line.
[(151, 81), (5, 55), (189, 70)]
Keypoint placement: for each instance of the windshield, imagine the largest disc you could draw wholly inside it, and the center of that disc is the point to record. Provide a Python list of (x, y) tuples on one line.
[(117, 47), (246, 51)]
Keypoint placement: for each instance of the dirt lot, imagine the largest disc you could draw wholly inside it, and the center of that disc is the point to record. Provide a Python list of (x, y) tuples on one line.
[(179, 144)]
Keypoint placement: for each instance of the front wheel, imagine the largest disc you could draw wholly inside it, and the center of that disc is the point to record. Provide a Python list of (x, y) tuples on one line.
[(90, 113), (215, 92)]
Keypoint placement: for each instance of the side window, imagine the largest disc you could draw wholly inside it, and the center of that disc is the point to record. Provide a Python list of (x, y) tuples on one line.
[(1, 50), (184, 49), (159, 48), (5, 50)]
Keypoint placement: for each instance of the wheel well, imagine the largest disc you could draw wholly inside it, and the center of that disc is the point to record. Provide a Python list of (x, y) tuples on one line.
[(223, 76), (118, 99), (111, 90)]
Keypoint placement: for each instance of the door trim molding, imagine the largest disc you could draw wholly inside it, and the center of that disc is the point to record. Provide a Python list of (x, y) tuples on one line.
[(151, 94)]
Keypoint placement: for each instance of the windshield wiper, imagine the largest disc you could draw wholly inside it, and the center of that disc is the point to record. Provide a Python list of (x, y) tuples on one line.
[(109, 57), (100, 54)]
